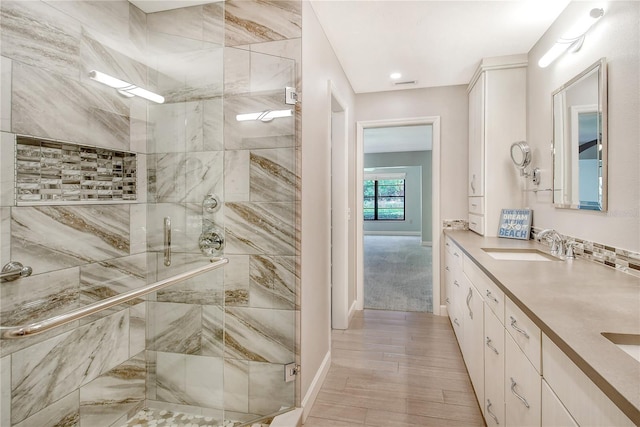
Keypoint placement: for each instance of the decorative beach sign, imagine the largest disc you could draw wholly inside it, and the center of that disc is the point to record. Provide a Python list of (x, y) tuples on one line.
[(515, 224)]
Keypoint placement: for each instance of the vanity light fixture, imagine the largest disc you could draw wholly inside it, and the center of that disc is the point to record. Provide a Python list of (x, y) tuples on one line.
[(124, 88), (573, 39), (395, 76), (264, 116)]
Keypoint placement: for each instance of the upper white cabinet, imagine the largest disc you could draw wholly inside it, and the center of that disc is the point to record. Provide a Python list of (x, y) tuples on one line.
[(497, 118)]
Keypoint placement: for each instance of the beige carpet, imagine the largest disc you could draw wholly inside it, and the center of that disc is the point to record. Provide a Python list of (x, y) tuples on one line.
[(397, 274)]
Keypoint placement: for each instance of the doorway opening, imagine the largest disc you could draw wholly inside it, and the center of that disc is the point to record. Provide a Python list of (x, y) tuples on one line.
[(398, 224)]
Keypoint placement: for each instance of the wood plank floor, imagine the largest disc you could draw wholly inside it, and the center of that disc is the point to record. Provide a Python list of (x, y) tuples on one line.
[(396, 369)]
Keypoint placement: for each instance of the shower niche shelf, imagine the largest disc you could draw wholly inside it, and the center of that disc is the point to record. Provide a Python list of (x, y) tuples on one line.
[(51, 172)]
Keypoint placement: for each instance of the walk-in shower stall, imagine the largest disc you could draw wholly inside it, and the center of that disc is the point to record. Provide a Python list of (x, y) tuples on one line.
[(141, 148)]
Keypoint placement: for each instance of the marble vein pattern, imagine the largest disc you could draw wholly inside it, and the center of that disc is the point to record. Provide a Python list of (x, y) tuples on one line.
[(204, 289), (97, 56), (272, 175), (47, 371), (278, 133), (212, 331), (267, 392), (63, 413), (119, 391), (137, 28), (212, 125), (183, 22), (271, 73), (55, 237), (7, 169), (236, 385), (203, 174), (53, 106), (259, 335), (237, 71), (260, 228), (236, 281), (213, 22), (236, 175), (105, 279), (5, 94), (174, 127), (190, 380), (191, 75), (273, 282), (34, 33), (175, 328), (109, 19), (5, 391), (256, 22), (137, 328), (39, 296)]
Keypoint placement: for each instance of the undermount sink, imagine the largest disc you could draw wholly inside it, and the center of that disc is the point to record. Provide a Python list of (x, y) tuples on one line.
[(629, 343), (512, 254)]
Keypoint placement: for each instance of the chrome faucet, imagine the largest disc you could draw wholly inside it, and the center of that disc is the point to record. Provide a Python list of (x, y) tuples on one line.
[(557, 243)]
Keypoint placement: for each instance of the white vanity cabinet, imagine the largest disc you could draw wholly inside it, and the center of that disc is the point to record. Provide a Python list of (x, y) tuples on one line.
[(453, 288), (522, 387), (473, 333), (583, 400), (493, 408), (497, 118), (553, 411)]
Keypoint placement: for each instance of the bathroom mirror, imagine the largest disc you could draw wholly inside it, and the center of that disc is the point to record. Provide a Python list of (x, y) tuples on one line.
[(521, 154), (580, 141)]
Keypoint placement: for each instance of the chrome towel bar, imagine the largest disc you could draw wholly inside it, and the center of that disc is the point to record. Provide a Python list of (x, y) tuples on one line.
[(11, 332)]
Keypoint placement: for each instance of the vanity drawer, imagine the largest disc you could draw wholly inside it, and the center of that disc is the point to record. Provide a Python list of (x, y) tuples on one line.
[(488, 290), (476, 223), (476, 205), (524, 332)]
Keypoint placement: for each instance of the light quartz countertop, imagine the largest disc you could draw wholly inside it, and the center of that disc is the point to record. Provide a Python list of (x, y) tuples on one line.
[(572, 302)]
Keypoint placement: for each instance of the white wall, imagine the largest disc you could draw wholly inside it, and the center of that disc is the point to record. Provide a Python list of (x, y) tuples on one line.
[(319, 64), (617, 38)]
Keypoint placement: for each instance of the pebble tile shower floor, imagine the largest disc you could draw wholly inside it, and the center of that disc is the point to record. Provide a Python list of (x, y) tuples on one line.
[(164, 418)]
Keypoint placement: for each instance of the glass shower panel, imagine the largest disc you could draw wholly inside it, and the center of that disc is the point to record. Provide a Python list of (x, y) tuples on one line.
[(260, 197), (185, 346)]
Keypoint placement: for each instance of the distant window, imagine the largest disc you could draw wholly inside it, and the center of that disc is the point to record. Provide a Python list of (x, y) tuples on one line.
[(384, 199)]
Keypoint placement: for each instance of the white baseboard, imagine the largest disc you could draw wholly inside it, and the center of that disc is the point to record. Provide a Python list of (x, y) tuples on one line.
[(443, 310), (392, 233), (427, 243), (314, 388), (352, 310)]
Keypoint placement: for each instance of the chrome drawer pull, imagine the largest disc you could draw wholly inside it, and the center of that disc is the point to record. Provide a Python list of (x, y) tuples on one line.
[(456, 254), (515, 393), (514, 326), (491, 297), (489, 404), (447, 300), (447, 268), (468, 300), (455, 282), (456, 321), (495, 350)]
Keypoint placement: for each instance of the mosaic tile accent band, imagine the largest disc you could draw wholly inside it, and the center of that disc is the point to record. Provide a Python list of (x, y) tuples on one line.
[(51, 171), (620, 259)]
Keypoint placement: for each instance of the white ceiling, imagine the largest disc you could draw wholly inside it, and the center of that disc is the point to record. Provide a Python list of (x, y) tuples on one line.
[(437, 43), (398, 138)]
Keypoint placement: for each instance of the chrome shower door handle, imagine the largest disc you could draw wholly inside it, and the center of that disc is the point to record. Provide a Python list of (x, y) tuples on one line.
[(167, 241)]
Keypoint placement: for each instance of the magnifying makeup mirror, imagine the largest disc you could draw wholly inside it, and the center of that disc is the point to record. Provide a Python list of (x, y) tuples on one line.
[(521, 156)]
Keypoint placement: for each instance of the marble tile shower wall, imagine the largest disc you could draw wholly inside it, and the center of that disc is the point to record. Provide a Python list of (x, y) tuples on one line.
[(90, 372)]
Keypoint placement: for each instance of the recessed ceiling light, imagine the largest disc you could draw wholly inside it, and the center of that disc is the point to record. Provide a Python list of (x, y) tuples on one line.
[(395, 76)]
